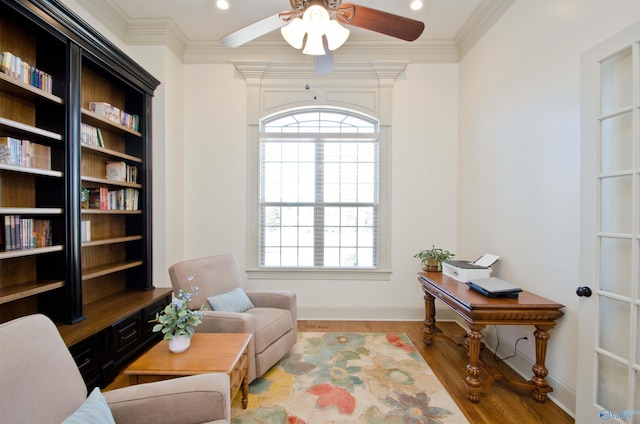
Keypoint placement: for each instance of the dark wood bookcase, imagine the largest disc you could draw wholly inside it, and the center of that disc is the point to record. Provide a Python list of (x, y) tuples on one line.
[(100, 291)]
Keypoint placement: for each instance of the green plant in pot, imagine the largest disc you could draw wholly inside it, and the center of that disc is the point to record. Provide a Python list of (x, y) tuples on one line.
[(432, 259)]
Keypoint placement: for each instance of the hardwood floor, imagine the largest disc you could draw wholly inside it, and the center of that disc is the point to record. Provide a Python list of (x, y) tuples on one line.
[(502, 403)]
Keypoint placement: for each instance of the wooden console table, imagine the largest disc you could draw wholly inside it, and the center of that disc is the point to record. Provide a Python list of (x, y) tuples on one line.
[(209, 352), (479, 311)]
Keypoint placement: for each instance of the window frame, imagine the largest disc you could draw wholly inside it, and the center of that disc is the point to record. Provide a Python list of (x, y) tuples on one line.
[(255, 271)]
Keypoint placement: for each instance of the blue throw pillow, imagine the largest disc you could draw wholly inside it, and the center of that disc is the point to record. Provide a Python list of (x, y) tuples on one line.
[(234, 301), (94, 410)]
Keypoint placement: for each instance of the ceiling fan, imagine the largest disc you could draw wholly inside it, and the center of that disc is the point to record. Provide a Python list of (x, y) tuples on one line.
[(315, 24)]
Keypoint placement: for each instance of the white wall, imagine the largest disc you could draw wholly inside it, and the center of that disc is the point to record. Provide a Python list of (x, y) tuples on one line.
[(519, 154), (168, 157), (423, 150)]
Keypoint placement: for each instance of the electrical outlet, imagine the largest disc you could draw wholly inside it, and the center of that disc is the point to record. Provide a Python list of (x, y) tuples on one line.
[(531, 338)]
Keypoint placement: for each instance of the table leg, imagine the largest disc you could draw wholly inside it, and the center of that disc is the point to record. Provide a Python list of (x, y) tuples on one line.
[(245, 390), (473, 382), (430, 318), (539, 370)]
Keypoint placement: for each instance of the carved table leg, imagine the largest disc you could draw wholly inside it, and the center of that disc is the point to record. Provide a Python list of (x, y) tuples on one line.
[(473, 382), (539, 369), (245, 390), (430, 318)]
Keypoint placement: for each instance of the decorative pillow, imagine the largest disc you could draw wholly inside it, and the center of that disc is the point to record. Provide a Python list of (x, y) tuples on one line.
[(94, 410), (234, 301)]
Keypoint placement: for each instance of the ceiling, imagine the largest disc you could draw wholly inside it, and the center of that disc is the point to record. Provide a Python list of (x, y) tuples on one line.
[(192, 28)]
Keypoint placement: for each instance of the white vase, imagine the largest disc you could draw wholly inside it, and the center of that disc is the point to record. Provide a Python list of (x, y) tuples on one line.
[(179, 343)]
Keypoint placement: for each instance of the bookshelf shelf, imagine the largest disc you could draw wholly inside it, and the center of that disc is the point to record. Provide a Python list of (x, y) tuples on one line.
[(109, 212), (31, 211), (115, 240), (27, 130), (111, 153), (34, 171), (18, 88), (28, 289), (110, 268), (95, 120), (8, 254), (104, 181)]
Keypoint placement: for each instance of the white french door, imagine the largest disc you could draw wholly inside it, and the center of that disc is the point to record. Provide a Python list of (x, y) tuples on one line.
[(608, 387)]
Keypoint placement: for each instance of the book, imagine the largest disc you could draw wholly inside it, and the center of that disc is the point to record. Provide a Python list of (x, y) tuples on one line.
[(114, 114), (98, 198), (120, 171), (85, 231), (116, 171), (91, 136), (25, 153), (26, 233), (17, 68)]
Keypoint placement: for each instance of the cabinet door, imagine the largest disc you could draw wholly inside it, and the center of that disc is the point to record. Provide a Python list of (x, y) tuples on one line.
[(126, 336)]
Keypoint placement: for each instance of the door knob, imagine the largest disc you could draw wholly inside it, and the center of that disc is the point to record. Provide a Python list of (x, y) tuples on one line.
[(583, 291)]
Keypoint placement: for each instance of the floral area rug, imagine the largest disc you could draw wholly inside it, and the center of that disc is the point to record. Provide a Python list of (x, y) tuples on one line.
[(373, 378)]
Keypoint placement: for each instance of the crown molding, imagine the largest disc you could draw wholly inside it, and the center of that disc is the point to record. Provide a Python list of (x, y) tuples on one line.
[(484, 16), (157, 32), (109, 15), (366, 51)]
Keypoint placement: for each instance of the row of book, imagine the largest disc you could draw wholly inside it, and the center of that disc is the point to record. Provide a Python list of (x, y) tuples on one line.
[(120, 171), (25, 233), (114, 114), (17, 68), (91, 135), (125, 199), (14, 151)]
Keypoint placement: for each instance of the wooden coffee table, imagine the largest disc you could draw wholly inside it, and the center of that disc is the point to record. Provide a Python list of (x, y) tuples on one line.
[(209, 352)]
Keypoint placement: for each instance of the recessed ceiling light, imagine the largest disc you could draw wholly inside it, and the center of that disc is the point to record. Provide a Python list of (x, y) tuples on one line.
[(416, 5), (222, 4)]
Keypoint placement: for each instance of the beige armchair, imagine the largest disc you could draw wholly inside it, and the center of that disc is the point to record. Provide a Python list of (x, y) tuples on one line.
[(40, 383), (273, 321)]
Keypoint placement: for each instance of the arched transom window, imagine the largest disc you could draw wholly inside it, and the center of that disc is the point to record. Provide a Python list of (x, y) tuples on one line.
[(318, 190)]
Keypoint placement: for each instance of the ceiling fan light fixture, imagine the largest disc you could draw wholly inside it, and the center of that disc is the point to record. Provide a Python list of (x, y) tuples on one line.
[(293, 33), (314, 45), (316, 19), (336, 35)]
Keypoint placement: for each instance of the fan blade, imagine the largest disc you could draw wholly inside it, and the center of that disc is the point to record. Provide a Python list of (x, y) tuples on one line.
[(324, 63), (382, 22), (253, 31)]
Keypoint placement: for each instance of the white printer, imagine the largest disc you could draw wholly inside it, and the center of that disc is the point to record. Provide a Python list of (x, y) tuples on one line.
[(464, 271)]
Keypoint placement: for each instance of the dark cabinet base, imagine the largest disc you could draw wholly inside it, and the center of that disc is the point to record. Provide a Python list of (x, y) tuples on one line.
[(103, 355)]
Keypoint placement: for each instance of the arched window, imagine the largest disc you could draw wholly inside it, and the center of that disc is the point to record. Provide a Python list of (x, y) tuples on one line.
[(318, 190)]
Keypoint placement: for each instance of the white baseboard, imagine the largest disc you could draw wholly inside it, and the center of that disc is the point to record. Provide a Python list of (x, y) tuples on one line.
[(563, 395), (371, 314)]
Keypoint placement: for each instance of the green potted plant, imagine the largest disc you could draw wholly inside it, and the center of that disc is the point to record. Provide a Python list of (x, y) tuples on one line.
[(431, 259), (177, 322)]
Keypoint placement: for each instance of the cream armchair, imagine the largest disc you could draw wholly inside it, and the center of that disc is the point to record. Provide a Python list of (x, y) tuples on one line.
[(40, 383), (272, 320)]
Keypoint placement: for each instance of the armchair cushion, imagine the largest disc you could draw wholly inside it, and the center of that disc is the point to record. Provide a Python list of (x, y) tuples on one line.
[(94, 410), (234, 301), (187, 400)]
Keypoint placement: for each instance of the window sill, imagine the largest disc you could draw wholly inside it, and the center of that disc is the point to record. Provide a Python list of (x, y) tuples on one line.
[(318, 274)]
